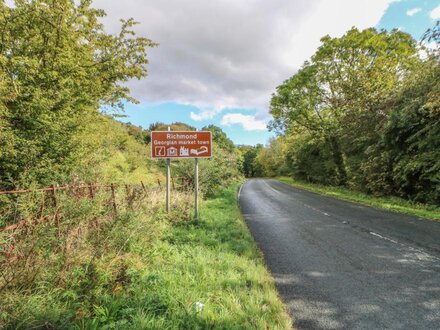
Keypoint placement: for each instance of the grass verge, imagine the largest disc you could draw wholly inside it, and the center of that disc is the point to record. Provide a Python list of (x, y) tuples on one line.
[(387, 203), (210, 275), (149, 270)]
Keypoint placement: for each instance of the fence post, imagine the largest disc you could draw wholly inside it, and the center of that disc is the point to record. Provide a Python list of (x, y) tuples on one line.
[(91, 192), (143, 187), (115, 211), (55, 204), (128, 200)]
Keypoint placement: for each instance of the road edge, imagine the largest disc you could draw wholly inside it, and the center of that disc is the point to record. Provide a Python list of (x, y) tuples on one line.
[(263, 260), (394, 208)]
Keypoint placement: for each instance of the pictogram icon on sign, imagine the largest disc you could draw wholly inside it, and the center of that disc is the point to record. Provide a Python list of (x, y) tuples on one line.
[(184, 151), (160, 151), (199, 151), (172, 152)]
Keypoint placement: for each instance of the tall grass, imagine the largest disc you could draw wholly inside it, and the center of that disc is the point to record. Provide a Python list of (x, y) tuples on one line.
[(145, 269)]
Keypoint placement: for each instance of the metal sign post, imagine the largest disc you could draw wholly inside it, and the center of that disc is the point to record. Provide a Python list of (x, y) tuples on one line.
[(196, 188), (168, 184), (181, 144), (168, 193)]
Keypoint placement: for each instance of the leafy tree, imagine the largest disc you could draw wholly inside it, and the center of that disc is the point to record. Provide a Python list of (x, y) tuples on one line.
[(338, 96), (141, 135), (406, 160), (251, 166), (220, 137), (61, 68), (214, 173), (272, 158)]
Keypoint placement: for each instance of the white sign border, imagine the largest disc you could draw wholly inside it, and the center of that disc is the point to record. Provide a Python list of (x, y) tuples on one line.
[(179, 157)]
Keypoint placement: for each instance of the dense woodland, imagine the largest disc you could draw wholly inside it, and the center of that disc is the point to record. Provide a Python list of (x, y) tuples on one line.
[(363, 113)]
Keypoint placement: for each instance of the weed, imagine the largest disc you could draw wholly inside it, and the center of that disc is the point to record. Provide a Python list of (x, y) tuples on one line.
[(145, 269)]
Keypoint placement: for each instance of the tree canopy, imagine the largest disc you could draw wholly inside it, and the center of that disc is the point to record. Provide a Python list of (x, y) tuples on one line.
[(58, 68), (363, 112)]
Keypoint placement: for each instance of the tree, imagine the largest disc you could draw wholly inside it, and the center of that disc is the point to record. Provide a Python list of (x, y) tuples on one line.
[(406, 160), (272, 158), (251, 166), (62, 68), (220, 137), (218, 171), (338, 96)]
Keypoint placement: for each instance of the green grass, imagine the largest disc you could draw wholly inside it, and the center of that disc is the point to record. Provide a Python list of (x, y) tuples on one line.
[(213, 263), (387, 203), (150, 270)]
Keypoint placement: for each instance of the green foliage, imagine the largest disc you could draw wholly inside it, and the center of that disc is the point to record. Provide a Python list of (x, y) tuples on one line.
[(108, 152), (410, 144), (251, 167), (144, 270), (364, 113), (220, 138), (271, 159), (337, 97), (310, 159), (58, 67), (219, 171), (141, 135)]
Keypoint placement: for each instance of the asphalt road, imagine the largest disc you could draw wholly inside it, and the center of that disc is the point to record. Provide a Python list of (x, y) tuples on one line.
[(341, 265)]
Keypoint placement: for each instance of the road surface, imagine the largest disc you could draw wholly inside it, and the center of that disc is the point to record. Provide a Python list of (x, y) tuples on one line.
[(341, 265)]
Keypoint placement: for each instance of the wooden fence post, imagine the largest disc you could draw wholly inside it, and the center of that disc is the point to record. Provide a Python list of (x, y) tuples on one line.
[(128, 199), (91, 192), (143, 187), (55, 204), (115, 211)]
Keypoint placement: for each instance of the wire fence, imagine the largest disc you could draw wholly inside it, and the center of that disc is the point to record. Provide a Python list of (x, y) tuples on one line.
[(13, 214), (38, 226)]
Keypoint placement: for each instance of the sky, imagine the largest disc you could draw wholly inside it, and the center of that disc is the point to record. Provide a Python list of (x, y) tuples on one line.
[(219, 61)]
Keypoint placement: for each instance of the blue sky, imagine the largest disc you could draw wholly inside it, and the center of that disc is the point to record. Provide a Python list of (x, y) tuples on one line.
[(208, 71), (145, 114), (412, 16)]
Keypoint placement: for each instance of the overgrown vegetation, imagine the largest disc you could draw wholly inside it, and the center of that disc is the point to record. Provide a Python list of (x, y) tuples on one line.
[(221, 170), (145, 270), (58, 67), (74, 261), (364, 114)]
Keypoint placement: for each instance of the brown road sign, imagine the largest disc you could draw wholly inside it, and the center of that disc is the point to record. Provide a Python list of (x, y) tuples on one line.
[(181, 144)]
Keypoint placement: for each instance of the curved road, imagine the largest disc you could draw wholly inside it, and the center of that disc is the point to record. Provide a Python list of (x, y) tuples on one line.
[(341, 265)]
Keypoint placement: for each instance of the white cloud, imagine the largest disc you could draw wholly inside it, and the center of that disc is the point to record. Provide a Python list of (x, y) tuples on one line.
[(205, 114), (413, 11), (249, 123), (226, 54), (435, 13)]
